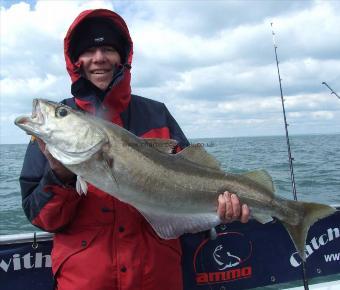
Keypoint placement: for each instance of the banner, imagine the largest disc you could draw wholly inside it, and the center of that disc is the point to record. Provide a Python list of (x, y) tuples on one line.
[(251, 255), (23, 267), (244, 256)]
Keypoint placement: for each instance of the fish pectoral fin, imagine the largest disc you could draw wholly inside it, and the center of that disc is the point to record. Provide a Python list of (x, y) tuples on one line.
[(163, 145), (198, 155), (262, 177), (81, 185), (108, 159), (213, 234), (109, 166), (169, 226)]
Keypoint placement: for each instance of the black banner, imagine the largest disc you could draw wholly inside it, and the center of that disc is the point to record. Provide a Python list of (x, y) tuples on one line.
[(244, 256), (252, 255), (26, 266)]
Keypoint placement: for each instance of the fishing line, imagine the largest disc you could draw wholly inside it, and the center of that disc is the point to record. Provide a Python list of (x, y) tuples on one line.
[(332, 92), (290, 158)]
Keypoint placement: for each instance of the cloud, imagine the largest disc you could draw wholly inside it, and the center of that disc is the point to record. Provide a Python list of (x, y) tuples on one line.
[(207, 18), (211, 62)]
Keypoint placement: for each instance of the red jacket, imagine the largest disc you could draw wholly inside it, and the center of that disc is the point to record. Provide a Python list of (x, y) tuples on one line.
[(100, 242)]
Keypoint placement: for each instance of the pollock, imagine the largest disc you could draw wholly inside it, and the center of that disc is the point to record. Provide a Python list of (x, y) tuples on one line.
[(176, 193)]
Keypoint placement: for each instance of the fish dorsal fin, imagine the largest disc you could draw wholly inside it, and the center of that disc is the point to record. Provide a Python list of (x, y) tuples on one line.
[(197, 154), (262, 177), (163, 145)]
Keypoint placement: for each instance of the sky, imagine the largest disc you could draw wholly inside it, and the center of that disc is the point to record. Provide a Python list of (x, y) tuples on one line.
[(211, 62)]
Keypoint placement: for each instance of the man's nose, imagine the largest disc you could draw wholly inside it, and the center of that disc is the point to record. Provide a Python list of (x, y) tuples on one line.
[(98, 55)]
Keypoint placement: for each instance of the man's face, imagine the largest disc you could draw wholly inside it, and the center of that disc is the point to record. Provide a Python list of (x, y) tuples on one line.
[(99, 65)]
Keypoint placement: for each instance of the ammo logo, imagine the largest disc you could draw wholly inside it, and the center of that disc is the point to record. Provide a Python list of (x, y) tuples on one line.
[(223, 260)]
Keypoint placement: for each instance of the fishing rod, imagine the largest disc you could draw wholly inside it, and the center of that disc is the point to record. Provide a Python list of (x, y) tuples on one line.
[(332, 92), (290, 158)]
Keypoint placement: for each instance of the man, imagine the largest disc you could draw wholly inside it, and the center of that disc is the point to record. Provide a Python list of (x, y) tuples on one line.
[(100, 242)]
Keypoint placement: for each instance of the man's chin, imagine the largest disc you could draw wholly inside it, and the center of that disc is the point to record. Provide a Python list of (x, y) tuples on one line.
[(102, 84)]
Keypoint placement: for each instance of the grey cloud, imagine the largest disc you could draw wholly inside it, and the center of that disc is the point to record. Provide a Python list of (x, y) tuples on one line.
[(149, 73), (21, 100), (31, 62), (207, 59), (208, 17)]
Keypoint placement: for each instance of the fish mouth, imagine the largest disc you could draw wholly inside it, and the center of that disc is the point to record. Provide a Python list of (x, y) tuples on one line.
[(31, 124)]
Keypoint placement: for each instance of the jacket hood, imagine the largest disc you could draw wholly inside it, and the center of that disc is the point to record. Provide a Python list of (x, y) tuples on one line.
[(71, 66), (115, 99)]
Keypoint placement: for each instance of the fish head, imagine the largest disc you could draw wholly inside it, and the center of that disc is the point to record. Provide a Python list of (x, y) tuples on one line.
[(71, 136)]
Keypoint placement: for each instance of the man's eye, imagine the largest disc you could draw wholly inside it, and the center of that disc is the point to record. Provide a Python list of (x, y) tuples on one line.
[(61, 112), (88, 51), (109, 49)]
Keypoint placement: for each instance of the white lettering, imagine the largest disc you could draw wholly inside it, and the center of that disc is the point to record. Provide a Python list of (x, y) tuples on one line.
[(308, 251), (4, 266), (334, 231), (39, 259), (293, 261), (29, 261), (16, 262), (314, 245), (332, 257), (323, 241)]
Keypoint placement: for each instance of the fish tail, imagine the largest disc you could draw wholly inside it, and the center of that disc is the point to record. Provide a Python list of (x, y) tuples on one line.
[(311, 212)]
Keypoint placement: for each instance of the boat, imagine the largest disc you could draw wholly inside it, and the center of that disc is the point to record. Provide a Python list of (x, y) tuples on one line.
[(244, 256)]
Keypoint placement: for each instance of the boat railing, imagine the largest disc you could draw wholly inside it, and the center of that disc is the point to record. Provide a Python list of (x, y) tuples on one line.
[(25, 238)]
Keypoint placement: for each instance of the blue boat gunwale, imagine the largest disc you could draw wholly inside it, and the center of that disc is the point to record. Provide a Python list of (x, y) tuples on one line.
[(41, 236), (38, 244)]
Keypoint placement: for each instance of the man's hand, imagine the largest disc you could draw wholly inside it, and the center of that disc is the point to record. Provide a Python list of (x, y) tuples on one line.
[(62, 173), (230, 209)]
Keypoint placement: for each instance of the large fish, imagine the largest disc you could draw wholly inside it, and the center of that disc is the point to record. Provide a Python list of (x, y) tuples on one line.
[(176, 193)]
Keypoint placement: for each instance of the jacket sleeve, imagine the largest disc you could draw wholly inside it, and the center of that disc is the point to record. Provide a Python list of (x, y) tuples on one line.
[(176, 132), (47, 203)]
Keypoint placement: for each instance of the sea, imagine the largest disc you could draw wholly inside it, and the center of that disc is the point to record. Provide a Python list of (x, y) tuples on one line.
[(316, 169)]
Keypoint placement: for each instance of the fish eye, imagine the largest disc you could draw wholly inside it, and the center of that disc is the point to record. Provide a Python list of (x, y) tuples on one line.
[(61, 112)]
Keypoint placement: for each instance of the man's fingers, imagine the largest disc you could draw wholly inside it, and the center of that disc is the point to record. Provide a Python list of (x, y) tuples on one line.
[(41, 144), (58, 168), (236, 207), (229, 206), (53, 162), (225, 208), (221, 206), (245, 214)]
